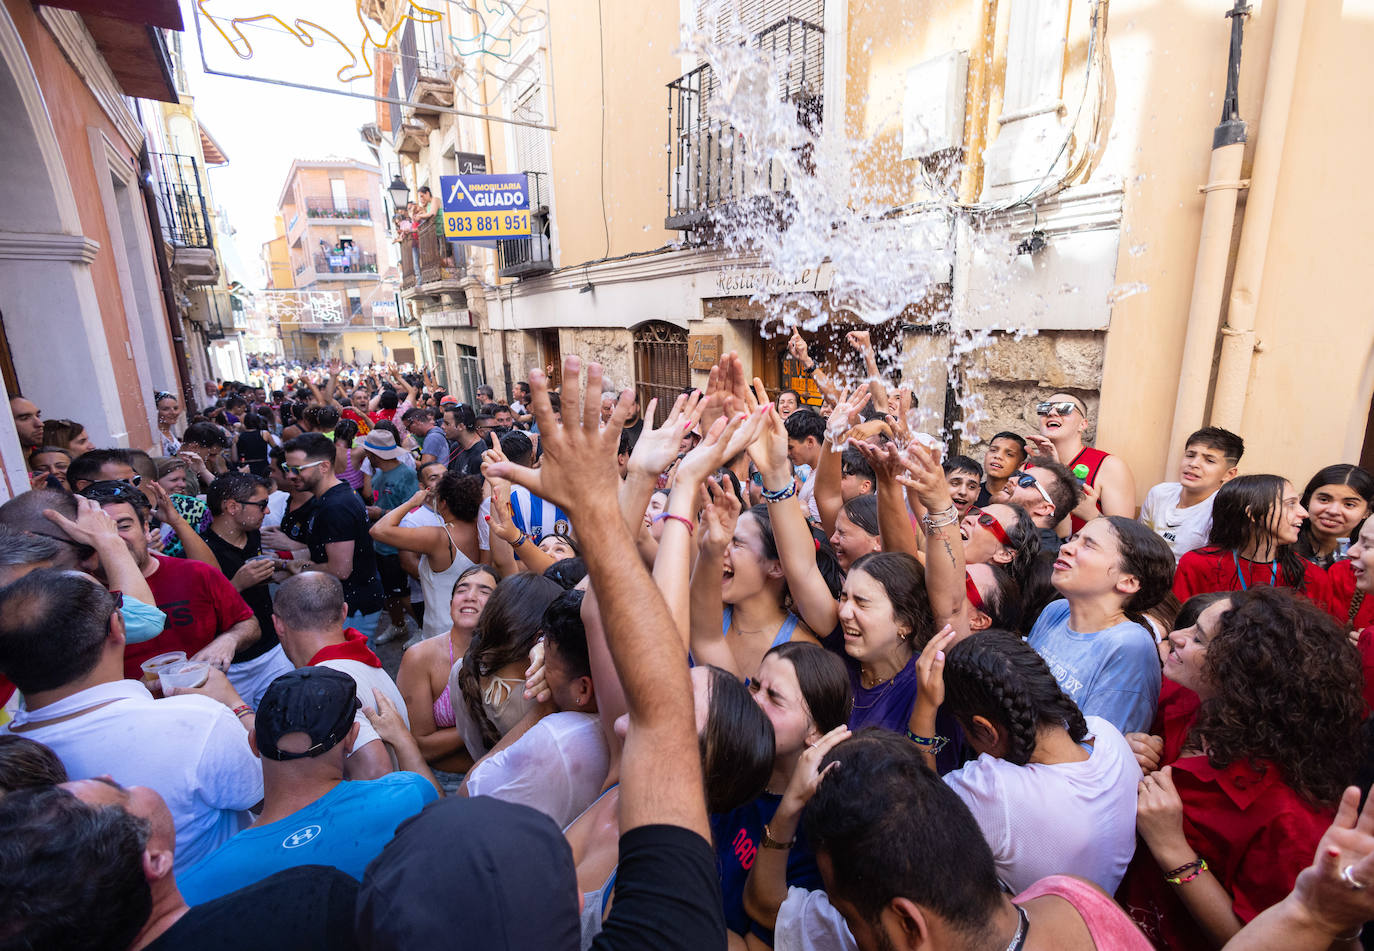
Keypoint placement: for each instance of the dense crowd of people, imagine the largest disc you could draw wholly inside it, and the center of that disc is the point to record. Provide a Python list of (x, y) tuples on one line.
[(740, 672)]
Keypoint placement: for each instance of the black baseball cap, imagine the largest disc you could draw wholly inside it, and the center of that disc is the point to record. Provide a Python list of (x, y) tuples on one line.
[(318, 701)]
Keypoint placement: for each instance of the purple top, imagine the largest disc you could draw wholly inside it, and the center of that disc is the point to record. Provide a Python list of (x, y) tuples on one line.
[(888, 707)]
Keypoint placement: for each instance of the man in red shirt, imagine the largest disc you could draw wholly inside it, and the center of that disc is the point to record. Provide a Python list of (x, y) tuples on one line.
[(1063, 420), (206, 617)]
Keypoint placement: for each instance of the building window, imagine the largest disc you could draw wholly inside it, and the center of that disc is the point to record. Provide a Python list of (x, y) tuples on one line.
[(469, 372), (661, 369), (355, 303), (441, 366)]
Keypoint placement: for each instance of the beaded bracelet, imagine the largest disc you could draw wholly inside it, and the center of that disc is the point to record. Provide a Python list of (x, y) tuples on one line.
[(691, 527), (1176, 877), (936, 743), (781, 494)]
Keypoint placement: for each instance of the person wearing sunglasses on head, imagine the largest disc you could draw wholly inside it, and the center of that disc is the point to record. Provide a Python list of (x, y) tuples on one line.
[(1063, 420), (1049, 492), (1002, 535)]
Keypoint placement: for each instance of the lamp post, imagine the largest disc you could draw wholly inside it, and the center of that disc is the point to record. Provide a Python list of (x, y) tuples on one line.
[(399, 192)]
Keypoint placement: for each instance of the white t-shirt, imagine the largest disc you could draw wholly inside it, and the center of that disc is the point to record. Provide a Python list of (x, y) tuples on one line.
[(808, 922), (366, 676), (558, 767), (1184, 529), (1059, 819), (191, 750), (807, 494), (422, 517)]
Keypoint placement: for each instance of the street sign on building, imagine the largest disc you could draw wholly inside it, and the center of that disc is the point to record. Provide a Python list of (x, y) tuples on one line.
[(482, 207)]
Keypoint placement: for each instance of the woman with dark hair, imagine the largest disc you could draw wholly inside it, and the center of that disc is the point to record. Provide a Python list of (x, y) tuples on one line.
[(856, 530), (1100, 648), (555, 759), (1252, 774), (168, 411), (66, 434), (348, 460), (1001, 534), (750, 604), (491, 677), (445, 550), (804, 691), (1054, 792), (427, 666), (252, 446), (994, 598), (1256, 521), (1338, 499)]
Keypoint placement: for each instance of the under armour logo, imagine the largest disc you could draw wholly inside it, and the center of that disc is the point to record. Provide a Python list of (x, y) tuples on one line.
[(300, 837)]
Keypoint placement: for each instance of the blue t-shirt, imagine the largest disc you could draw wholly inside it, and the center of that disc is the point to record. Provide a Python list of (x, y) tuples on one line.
[(346, 828), (1113, 673), (738, 835), (393, 487), (435, 445)]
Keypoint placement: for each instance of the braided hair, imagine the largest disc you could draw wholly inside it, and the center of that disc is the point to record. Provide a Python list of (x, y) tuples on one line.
[(996, 675)]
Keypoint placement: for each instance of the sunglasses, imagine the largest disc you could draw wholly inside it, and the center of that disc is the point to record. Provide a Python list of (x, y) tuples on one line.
[(297, 470), (974, 597), (1027, 481), (994, 526), (1059, 409), (121, 490), (262, 504)]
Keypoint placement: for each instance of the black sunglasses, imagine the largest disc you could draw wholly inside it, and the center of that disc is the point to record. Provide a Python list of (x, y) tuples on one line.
[(115, 491)]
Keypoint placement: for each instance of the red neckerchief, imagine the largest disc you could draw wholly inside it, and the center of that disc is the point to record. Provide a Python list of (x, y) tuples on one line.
[(354, 647)]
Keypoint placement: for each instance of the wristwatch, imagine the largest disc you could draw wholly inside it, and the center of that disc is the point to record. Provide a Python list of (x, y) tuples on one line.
[(771, 843)]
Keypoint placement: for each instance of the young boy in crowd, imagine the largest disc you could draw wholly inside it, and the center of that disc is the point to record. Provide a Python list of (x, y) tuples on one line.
[(965, 478), (1005, 454), (1181, 512)]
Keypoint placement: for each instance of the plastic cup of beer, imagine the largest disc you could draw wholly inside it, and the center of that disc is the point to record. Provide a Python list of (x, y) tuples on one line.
[(153, 665), (183, 673)]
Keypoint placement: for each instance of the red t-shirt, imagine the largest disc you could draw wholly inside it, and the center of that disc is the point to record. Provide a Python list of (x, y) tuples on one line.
[(1091, 458), (200, 605), (378, 415), (1366, 649), (1212, 569), (1255, 832), (1342, 580)]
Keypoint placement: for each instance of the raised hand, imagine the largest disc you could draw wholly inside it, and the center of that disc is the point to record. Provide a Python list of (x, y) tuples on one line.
[(1148, 750), (92, 526), (1344, 855), (930, 669), (807, 774), (845, 416), (1043, 446), (860, 340), (797, 349), (726, 439), (719, 516), (658, 447), (925, 477), (579, 472)]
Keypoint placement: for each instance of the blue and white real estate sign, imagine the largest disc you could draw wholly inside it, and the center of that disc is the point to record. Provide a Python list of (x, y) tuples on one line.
[(482, 207)]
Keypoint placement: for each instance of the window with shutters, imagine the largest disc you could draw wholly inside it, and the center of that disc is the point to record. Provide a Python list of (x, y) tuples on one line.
[(529, 149), (707, 165), (661, 370)]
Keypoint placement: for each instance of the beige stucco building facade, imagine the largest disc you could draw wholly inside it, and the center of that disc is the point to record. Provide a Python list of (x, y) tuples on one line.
[(1105, 116)]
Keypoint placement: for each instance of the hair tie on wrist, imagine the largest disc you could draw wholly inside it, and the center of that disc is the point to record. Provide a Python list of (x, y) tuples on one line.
[(691, 527)]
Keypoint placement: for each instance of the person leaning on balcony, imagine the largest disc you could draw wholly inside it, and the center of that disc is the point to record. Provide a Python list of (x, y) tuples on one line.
[(429, 205)]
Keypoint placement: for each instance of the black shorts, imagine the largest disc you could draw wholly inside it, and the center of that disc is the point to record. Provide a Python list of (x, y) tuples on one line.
[(395, 581)]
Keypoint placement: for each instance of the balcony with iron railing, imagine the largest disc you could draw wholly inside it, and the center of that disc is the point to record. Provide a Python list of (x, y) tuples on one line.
[(526, 257), (333, 210), (708, 171), (426, 66), (181, 206), (441, 262), (336, 264)]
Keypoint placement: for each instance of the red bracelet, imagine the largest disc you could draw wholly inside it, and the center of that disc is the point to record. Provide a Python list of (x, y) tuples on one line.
[(241, 709), (691, 526)]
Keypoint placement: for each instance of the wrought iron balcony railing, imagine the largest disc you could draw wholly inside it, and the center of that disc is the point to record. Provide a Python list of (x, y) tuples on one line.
[(707, 165), (357, 209), (525, 257), (345, 262), (181, 205)]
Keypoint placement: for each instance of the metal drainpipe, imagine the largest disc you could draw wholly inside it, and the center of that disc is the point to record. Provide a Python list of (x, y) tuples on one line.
[(169, 294), (1238, 344), (1213, 254)]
